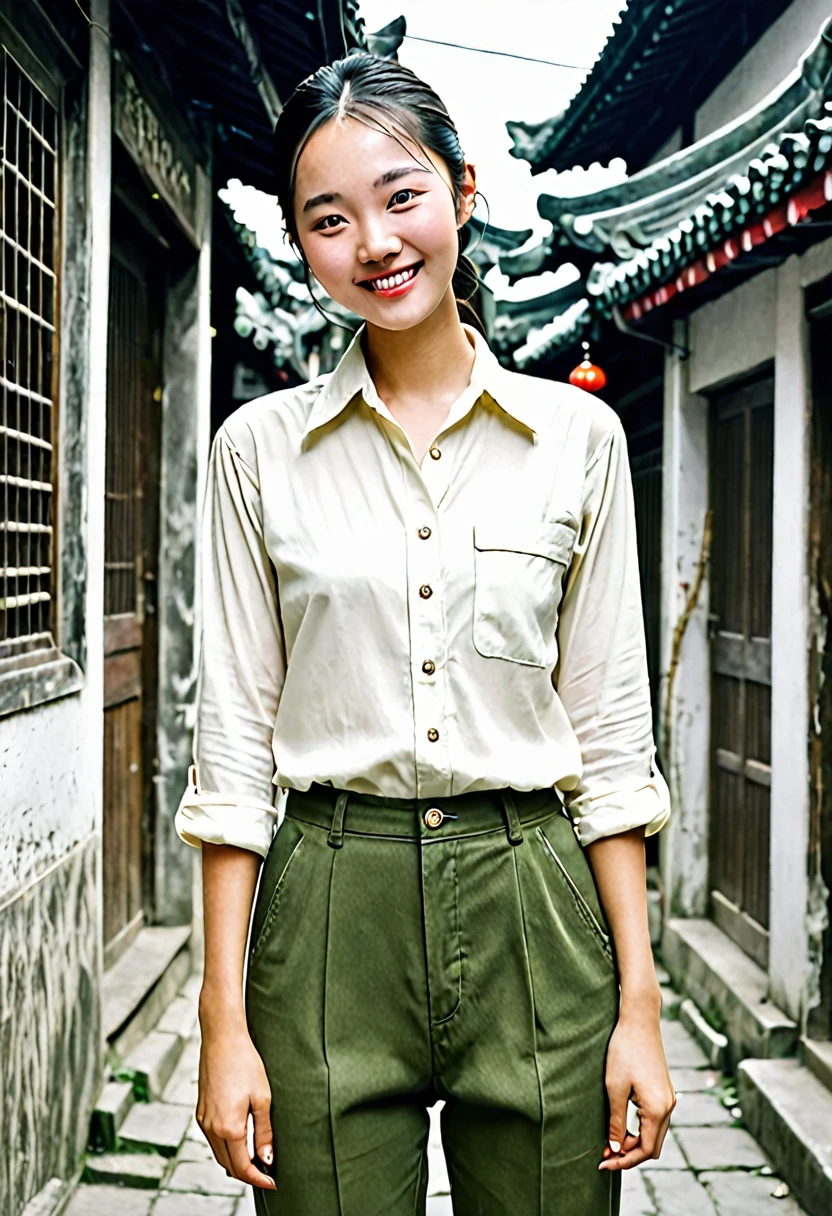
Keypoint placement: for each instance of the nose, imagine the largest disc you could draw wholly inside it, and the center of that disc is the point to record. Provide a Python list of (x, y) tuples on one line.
[(377, 241)]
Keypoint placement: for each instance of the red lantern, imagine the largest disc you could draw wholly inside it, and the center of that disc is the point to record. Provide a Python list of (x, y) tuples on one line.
[(587, 375)]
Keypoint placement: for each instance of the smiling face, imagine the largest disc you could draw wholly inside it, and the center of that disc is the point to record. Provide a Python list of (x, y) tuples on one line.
[(378, 222)]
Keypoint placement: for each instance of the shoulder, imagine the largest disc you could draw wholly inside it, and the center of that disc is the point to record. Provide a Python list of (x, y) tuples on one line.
[(564, 413), (270, 425)]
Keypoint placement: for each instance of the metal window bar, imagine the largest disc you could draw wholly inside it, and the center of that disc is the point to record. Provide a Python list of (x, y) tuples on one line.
[(28, 201)]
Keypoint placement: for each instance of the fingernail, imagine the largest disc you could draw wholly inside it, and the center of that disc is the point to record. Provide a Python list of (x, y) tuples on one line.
[(266, 1154), (615, 1146)]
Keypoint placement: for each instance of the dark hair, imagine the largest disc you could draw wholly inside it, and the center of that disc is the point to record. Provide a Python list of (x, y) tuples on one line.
[(372, 90)]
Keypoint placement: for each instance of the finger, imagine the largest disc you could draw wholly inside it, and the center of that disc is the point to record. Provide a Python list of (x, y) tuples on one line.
[(618, 1096), (664, 1127), (219, 1149), (624, 1161), (263, 1139), (243, 1167)]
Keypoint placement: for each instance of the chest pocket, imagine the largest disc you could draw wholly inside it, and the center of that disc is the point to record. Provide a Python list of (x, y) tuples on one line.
[(518, 585)]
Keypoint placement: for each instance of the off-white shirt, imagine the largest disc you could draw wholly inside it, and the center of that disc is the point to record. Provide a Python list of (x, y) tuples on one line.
[(408, 631)]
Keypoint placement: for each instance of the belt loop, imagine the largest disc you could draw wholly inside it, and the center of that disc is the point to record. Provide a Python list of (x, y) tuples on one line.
[(515, 832), (336, 832)]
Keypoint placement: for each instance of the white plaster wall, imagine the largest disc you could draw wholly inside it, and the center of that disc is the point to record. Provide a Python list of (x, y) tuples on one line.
[(51, 757), (733, 334), (684, 843), (766, 65), (791, 641)]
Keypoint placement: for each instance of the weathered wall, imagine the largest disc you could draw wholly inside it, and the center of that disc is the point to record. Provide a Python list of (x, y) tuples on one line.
[(186, 411), (765, 66), (734, 334), (49, 1025), (51, 756)]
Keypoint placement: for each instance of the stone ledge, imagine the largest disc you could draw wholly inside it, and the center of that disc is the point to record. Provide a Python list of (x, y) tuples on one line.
[(790, 1112), (130, 985), (726, 984)]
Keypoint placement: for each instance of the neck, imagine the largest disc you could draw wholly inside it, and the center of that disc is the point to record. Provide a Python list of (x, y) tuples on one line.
[(431, 361)]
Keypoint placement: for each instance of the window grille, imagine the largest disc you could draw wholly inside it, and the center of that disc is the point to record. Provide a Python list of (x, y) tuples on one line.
[(29, 135)]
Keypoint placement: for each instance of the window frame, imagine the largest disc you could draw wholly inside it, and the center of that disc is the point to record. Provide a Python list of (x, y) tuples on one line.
[(39, 675)]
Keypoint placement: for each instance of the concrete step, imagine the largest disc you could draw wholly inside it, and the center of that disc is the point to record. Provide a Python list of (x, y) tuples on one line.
[(155, 1127), (714, 1044), (152, 1062), (139, 987), (789, 1111), (144, 1171), (817, 1056), (729, 987), (111, 1109)]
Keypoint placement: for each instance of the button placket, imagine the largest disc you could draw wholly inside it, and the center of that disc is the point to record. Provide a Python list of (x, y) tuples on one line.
[(427, 640)]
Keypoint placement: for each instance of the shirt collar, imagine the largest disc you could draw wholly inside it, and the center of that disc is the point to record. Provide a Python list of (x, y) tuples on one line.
[(351, 378)]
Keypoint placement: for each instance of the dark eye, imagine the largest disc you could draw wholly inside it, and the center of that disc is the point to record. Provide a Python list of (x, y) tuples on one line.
[(329, 221), (401, 197)]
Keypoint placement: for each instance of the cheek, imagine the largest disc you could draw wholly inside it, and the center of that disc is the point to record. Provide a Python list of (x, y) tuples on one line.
[(331, 260)]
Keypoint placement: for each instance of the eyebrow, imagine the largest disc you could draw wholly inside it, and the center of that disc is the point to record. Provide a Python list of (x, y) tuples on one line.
[(392, 175)]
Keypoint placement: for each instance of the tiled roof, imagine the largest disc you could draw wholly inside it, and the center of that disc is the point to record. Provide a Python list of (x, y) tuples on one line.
[(663, 56), (675, 224)]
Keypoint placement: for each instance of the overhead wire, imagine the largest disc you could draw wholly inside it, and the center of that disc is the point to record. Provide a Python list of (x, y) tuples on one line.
[(482, 50)]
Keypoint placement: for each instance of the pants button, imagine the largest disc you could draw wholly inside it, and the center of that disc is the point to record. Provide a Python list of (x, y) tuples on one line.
[(434, 817)]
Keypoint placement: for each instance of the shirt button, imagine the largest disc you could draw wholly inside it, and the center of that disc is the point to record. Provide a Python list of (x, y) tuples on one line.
[(423, 533), (428, 667), (425, 591), (435, 453), (434, 817), (433, 735)]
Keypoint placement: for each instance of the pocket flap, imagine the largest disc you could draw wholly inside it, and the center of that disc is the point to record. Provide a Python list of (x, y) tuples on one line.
[(552, 540)]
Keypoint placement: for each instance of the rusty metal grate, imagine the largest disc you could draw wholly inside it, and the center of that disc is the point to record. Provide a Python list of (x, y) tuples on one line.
[(27, 331)]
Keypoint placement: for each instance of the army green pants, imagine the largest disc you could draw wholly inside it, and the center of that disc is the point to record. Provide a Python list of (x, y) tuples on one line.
[(405, 951)]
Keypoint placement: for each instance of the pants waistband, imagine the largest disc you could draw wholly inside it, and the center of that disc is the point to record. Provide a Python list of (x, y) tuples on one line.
[(343, 813)]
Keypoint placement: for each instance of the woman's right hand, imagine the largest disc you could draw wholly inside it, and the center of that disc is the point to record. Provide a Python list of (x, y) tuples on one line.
[(232, 1085)]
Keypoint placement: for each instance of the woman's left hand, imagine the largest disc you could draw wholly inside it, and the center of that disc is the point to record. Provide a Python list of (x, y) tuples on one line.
[(637, 1070)]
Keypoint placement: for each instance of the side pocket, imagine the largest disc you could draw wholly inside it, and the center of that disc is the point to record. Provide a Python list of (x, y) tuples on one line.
[(586, 912), (273, 884)]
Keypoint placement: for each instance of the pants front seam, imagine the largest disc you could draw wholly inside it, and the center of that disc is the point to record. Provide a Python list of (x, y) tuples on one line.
[(514, 852), (325, 1047)]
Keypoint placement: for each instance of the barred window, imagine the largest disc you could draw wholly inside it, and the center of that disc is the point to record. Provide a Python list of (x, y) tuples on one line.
[(28, 294)]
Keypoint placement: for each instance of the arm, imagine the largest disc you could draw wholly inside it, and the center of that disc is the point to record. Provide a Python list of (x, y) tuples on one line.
[(602, 681), (240, 678)]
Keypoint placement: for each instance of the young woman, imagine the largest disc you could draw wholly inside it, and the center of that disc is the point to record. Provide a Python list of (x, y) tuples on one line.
[(422, 617)]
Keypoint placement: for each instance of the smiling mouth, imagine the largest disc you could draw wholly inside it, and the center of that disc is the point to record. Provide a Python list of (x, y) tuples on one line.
[(391, 282)]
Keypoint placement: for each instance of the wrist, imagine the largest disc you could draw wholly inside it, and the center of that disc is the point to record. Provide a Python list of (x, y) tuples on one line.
[(641, 998), (220, 1013)]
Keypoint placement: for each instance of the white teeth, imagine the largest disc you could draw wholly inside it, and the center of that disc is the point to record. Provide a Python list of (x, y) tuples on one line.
[(394, 280), (399, 279)]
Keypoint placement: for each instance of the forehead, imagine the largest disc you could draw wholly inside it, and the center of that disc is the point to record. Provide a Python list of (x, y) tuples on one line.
[(347, 155)]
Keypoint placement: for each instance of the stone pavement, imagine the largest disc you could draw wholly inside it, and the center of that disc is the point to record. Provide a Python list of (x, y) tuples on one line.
[(710, 1165)]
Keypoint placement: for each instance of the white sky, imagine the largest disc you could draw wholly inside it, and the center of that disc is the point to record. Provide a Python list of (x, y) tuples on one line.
[(483, 91)]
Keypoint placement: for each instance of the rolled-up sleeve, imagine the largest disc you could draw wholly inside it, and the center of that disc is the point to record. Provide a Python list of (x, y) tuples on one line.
[(230, 796), (601, 676)]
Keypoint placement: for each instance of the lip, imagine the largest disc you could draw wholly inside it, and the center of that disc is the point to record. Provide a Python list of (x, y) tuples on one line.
[(392, 292)]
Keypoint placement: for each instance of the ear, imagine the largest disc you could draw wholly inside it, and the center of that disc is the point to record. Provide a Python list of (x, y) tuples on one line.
[(468, 195)]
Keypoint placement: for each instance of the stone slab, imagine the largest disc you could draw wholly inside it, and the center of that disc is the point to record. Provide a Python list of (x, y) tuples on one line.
[(174, 1203), (740, 1194), (48, 1199), (818, 1059), (154, 1059), (439, 1205), (111, 1110), (677, 1193), (720, 1148), (700, 1110), (180, 1017), (109, 1201), (681, 1050), (156, 1127), (671, 1157), (706, 965), (245, 1206), (129, 981), (204, 1178), (790, 1112), (142, 1170), (635, 1200), (694, 1080)]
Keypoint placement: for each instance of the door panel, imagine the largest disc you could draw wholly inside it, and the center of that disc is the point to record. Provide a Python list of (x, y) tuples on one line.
[(131, 499), (741, 494)]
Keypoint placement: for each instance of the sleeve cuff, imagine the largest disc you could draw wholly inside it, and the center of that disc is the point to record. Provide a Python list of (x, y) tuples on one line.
[(246, 823), (640, 803)]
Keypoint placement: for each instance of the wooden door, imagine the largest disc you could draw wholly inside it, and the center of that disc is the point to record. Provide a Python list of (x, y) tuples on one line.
[(130, 554), (741, 496)]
